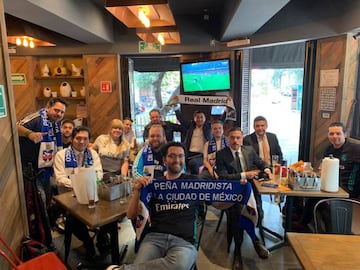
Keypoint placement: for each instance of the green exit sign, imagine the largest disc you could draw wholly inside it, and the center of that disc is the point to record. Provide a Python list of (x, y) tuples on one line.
[(145, 47), (18, 78)]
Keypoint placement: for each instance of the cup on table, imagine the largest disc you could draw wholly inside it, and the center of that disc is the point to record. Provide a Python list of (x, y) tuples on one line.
[(91, 198), (126, 189), (54, 94), (91, 204), (74, 94), (274, 160)]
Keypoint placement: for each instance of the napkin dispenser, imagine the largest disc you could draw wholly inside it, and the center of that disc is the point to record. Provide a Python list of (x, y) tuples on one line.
[(109, 191), (303, 182), (113, 189)]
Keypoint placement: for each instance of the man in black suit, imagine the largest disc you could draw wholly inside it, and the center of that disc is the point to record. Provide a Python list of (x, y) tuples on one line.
[(260, 136), (169, 128), (265, 145), (240, 162)]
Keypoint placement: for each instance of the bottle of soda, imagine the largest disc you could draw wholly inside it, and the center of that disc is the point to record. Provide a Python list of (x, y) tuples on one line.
[(284, 173)]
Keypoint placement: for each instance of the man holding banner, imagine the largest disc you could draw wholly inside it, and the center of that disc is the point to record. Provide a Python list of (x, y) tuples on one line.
[(172, 203), (173, 223), (241, 162)]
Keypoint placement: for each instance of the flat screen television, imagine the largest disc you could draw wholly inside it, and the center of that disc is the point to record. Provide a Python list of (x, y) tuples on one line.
[(205, 76)]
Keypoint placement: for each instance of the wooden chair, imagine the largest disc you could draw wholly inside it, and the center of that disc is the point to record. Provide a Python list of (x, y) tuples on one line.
[(45, 261), (336, 215)]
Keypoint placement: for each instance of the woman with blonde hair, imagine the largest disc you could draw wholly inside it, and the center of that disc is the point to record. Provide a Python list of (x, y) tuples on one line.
[(113, 149)]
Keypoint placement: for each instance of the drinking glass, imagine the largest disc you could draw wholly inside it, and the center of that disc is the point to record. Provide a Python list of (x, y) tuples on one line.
[(127, 191), (91, 197), (274, 160)]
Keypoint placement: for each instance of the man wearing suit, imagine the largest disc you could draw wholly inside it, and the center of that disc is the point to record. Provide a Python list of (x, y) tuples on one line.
[(265, 145), (260, 140), (240, 162)]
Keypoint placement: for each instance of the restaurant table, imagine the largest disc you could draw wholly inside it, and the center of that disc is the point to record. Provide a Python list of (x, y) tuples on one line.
[(326, 251), (290, 193), (105, 213)]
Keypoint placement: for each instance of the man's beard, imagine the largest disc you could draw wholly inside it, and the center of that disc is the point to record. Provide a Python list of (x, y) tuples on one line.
[(176, 170)]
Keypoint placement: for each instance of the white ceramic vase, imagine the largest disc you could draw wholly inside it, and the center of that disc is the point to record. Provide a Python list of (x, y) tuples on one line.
[(82, 91), (45, 71), (47, 92), (65, 89)]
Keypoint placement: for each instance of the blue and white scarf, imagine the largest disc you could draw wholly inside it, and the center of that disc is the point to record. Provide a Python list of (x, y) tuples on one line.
[(212, 146), (50, 144), (71, 162), (150, 164)]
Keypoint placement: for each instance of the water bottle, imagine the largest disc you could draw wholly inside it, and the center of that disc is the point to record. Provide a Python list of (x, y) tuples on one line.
[(308, 169)]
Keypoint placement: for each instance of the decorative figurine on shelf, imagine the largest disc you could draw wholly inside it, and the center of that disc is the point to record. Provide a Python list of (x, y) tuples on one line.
[(65, 89), (47, 92), (60, 70), (45, 71), (82, 91), (76, 71)]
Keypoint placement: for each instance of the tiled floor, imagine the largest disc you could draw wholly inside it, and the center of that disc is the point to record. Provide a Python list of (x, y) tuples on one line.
[(212, 252)]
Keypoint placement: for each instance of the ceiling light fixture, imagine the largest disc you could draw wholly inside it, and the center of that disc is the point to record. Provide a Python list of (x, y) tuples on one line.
[(127, 11), (135, 13), (161, 39), (27, 41), (170, 34), (143, 18)]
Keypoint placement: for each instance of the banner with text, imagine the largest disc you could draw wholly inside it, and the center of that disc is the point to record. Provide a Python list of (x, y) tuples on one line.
[(184, 190), (205, 100), (230, 191)]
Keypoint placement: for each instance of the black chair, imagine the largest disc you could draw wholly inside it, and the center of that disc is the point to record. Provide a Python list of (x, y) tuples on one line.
[(335, 215), (201, 225)]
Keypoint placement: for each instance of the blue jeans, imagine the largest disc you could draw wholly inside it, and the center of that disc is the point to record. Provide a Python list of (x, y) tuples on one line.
[(162, 251)]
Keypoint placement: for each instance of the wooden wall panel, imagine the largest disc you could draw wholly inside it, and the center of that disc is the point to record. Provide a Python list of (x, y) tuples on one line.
[(24, 94), (102, 107), (12, 204), (333, 53)]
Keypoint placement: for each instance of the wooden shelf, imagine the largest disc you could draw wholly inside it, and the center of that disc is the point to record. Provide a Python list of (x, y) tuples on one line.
[(58, 77), (66, 98)]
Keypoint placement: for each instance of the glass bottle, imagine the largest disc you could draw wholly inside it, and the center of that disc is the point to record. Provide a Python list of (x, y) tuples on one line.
[(308, 169)]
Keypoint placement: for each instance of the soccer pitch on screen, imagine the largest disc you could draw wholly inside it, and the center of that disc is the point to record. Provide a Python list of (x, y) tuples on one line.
[(206, 82)]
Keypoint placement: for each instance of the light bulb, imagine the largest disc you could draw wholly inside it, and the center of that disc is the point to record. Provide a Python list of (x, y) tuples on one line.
[(161, 39), (143, 18), (18, 41), (32, 44), (25, 42)]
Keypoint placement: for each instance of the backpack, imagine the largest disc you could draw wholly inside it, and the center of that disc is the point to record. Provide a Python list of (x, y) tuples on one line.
[(31, 248)]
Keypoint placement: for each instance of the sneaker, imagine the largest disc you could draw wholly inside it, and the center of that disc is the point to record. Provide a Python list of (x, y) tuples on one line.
[(261, 250), (60, 225)]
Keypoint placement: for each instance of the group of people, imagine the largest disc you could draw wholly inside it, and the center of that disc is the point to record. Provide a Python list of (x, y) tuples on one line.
[(206, 153), (56, 149)]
